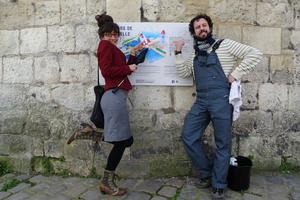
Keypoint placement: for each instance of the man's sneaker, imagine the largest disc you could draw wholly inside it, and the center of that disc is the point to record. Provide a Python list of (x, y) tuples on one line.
[(204, 182), (217, 194)]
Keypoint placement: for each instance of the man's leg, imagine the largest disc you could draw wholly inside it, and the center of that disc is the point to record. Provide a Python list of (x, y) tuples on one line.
[(194, 126)]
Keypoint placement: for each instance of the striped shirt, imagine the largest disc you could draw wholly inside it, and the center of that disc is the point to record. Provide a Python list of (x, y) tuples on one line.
[(229, 54)]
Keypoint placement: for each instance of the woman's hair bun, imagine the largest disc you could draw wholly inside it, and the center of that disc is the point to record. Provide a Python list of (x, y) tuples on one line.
[(103, 18)]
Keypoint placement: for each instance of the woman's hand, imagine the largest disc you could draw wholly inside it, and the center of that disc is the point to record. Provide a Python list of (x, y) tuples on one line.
[(133, 67)]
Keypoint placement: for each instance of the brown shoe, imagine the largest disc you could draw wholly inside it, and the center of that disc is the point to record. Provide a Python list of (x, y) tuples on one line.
[(108, 185), (86, 129)]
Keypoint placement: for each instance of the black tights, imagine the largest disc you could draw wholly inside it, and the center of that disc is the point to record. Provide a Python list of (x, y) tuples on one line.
[(116, 153)]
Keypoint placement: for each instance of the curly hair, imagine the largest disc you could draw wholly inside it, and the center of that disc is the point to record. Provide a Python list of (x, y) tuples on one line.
[(204, 16)]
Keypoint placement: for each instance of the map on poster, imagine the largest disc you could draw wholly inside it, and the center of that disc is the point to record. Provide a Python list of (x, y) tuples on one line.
[(159, 66)]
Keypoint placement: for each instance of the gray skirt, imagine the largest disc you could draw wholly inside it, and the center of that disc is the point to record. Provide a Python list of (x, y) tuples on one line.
[(116, 120)]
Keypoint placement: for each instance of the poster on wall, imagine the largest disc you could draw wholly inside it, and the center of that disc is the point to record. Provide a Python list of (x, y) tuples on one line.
[(159, 65)]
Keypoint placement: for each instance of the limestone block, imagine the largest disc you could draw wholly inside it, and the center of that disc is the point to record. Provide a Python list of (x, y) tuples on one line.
[(1, 69), (286, 39), (295, 39), (260, 73), (33, 40), (94, 66), (73, 11), (46, 69), (47, 12), (232, 11), (86, 38), (124, 10), (9, 42), (294, 98), (142, 119), (95, 7), (154, 97), (151, 10), (85, 153), (75, 68), (287, 121), (17, 70), (184, 97), (294, 141), (230, 32), (12, 121), (69, 95), (170, 120), (54, 148), (16, 14), (281, 67), (249, 95), (273, 97), (278, 15), (253, 123), (297, 17), (61, 38), (15, 144), (271, 42), (38, 147), (39, 94)]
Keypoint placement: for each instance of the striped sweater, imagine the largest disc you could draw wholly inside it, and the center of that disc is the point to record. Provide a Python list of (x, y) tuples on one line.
[(229, 54)]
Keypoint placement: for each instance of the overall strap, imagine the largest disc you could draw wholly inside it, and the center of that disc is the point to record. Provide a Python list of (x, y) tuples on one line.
[(217, 44)]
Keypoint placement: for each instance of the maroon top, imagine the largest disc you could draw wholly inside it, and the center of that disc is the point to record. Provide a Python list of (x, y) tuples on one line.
[(113, 66)]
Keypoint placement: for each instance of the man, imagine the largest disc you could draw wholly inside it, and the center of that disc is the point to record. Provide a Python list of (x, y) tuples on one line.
[(212, 65)]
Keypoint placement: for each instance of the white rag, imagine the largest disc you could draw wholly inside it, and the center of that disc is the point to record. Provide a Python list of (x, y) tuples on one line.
[(235, 98)]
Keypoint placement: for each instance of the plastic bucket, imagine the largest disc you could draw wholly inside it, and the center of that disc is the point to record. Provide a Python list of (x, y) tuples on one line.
[(239, 176)]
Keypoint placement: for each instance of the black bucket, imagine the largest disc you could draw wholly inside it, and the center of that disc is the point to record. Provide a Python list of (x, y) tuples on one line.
[(239, 176)]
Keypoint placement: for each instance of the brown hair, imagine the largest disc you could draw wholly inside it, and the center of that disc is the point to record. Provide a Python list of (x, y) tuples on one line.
[(204, 16), (106, 25)]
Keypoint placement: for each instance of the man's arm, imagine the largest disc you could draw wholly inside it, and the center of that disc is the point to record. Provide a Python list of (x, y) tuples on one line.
[(250, 58), (183, 67)]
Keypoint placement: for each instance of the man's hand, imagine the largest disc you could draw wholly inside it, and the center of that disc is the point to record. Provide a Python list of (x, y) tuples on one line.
[(231, 78), (179, 44), (133, 67)]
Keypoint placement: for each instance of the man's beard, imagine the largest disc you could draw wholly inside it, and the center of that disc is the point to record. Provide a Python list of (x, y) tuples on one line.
[(205, 38)]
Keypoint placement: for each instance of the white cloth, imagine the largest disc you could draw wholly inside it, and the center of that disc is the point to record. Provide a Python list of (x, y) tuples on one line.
[(235, 98)]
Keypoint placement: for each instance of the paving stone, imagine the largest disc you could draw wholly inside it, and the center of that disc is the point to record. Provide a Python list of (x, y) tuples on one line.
[(248, 196), (92, 194), (4, 195), (91, 182), (137, 196), (38, 179), (75, 189), (158, 198), (150, 186), (60, 197), (295, 195), (168, 191), (39, 196), (23, 177), (55, 188), (176, 182), (19, 196), (39, 187), (193, 193), (19, 187), (128, 183)]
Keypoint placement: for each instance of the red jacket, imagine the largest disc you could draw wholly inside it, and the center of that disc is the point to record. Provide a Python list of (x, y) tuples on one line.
[(113, 66)]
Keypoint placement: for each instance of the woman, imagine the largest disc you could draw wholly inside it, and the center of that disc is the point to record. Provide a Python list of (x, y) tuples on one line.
[(114, 69)]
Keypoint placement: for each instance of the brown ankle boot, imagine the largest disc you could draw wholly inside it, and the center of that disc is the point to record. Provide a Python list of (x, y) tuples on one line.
[(108, 185), (86, 129)]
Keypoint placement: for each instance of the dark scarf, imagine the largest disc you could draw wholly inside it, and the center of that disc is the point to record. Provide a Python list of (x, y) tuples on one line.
[(201, 46)]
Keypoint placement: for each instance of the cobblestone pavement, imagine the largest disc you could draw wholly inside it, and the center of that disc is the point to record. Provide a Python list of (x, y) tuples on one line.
[(271, 186)]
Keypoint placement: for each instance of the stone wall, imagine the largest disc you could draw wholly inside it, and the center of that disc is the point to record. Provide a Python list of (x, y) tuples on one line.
[(48, 70)]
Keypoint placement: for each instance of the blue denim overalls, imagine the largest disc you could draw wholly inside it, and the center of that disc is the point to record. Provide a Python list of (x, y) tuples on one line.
[(212, 104)]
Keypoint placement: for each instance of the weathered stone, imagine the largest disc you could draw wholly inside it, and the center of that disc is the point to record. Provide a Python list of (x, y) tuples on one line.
[(167, 191), (124, 10), (19, 196), (230, 32), (9, 42), (75, 68), (14, 144), (294, 98), (282, 69), (54, 148), (286, 39), (249, 95), (137, 196), (39, 94), (12, 122), (281, 14), (260, 73), (273, 97), (170, 120), (3, 195), (12, 96), (33, 40), (91, 194), (272, 36), (254, 122), (61, 38), (65, 96), (17, 70), (142, 119), (184, 97), (73, 11), (46, 69), (295, 38), (159, 98), (1, 69), (86, 38), (232, 11), (16, 15), (95, 7), (47, 12)]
